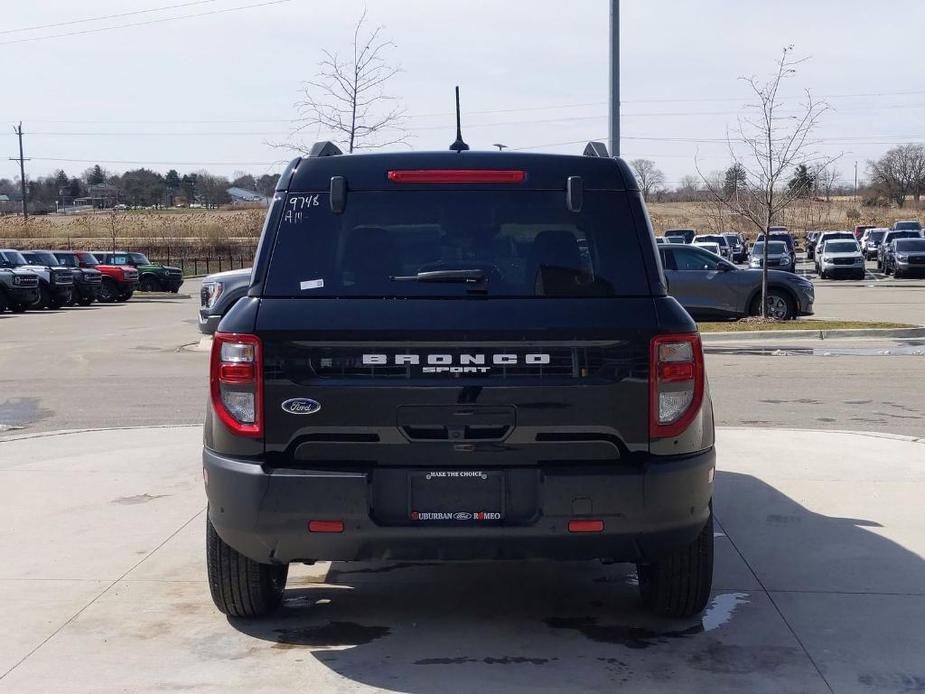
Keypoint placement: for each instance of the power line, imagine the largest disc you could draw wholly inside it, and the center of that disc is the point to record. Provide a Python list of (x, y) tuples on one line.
[(550, 107), (150, 21), (106, 16)]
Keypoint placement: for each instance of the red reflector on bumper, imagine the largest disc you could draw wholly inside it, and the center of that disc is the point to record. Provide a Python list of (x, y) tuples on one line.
[(321, 526), (585, 526)]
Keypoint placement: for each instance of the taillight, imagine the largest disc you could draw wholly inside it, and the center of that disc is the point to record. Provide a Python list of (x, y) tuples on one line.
[(236, 382), (676, 379), (456, 176)]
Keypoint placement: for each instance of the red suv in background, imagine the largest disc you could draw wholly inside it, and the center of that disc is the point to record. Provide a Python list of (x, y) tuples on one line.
[(119, 282)]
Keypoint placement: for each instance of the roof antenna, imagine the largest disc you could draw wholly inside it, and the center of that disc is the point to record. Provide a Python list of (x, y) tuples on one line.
[(459, 145)]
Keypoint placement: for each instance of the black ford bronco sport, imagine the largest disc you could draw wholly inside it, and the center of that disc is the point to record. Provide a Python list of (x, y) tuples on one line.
[(458, 355)]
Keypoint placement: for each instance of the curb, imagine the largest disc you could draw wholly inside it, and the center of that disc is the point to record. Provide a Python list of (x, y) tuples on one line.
[(70, 432), (753, 335)]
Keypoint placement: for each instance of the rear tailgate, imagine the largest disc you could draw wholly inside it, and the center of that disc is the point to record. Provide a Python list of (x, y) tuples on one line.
[(432, 383)]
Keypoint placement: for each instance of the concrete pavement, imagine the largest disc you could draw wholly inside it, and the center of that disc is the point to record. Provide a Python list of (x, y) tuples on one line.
[(818, 588)]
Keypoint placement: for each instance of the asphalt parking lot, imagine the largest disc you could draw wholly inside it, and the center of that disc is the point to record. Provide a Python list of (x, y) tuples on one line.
[(819, 581)]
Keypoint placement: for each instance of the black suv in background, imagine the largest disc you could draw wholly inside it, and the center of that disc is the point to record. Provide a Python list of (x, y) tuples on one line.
[(87, 281), (19, 288), (56, 283), (458, 355)]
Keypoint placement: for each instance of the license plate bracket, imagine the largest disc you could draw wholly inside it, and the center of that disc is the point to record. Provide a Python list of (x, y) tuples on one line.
[(456, 496)]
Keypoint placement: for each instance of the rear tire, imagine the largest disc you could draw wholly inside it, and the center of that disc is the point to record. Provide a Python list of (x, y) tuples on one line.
[(126, 296), (4, 303), (18, 308), (678, 585), (85, 300), (780, 305), (242, 587)]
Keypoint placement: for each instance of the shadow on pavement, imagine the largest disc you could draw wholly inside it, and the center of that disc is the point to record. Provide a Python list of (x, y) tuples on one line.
[(578, 626)]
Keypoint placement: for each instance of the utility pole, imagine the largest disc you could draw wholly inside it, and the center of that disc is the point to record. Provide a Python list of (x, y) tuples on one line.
[(615, 78), (855, 180), (22, 171)]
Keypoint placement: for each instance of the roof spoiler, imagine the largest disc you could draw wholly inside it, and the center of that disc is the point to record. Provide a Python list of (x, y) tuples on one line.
[(596, 149), (324, 149)]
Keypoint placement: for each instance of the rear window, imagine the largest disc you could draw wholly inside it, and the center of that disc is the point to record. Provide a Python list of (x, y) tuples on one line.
[(517, 243)]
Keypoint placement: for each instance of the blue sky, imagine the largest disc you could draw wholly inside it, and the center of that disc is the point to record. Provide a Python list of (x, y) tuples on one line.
[(212, 91)]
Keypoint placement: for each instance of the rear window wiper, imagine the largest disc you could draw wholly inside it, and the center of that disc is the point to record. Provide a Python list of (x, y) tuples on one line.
[(461, 276)]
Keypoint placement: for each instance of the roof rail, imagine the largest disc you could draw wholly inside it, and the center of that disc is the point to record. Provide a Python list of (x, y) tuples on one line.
[(596, 149), (324, 149)]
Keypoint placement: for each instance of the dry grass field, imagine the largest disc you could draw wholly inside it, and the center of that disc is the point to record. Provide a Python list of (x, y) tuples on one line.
[(838, 213), (153, 231), (216, 232)]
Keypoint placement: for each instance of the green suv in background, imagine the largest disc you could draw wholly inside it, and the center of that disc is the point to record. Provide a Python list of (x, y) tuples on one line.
[(152, 277)]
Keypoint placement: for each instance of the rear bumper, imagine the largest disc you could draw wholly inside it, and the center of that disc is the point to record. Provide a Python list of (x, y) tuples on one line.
[(648, 509)]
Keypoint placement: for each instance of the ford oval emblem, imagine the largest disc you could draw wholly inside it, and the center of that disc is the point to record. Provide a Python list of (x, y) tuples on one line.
[(301, 406)]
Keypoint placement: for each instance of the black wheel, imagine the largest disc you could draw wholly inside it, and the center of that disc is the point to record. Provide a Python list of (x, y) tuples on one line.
[(85, 300), (242, 587), (109, 291), (125, 296), (4, 302), (43, 300), (18, 308), (897, 273), (679, 584), (822, 274), (149, 284), (780, 305)]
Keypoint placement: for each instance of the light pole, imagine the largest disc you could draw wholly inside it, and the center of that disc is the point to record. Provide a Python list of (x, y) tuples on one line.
[(615, 78)]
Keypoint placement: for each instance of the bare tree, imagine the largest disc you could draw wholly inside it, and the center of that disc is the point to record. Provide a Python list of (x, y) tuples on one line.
[(899, 173), (826, 179), (767, 144), (347, 97), (647, 175)]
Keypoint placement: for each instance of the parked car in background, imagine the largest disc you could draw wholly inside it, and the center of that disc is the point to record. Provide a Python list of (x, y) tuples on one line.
[(823, 238), (907, 225), (709, 246), (660, 240), (686, 234), (87, 281), (739, 245), (859, 230), (56, 283), (779, 256), (841, 258), (118, 282), (218, 293), (19, 288), (678, 240), (784, 236), (723, 247), (905, 257), (891, 236), (870, 241), (152, 277), (710, 287)]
